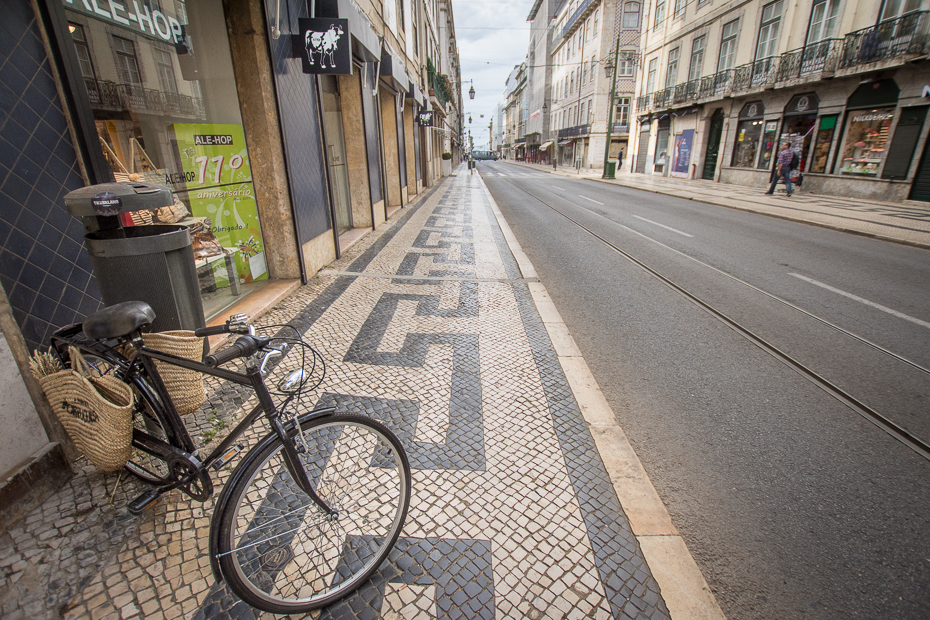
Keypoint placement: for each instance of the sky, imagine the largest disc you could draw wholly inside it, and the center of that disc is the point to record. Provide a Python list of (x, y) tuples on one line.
[(492, 37)]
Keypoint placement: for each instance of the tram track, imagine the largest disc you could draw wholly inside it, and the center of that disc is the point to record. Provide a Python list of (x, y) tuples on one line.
[(881, 421)]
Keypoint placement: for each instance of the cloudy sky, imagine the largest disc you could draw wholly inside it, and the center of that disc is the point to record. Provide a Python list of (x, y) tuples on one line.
[(492, 37)]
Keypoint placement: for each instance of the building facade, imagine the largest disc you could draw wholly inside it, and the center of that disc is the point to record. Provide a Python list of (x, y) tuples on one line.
[(593, 42), (277, 170), (845, 82)]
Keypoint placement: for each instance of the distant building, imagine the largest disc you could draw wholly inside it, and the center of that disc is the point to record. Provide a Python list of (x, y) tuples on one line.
[(723, 83)]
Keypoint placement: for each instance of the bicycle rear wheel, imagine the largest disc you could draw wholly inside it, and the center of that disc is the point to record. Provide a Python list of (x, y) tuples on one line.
[(279, 551)]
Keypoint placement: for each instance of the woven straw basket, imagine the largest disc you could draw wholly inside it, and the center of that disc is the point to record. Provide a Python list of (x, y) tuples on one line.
[(185, 386), (95, 411)]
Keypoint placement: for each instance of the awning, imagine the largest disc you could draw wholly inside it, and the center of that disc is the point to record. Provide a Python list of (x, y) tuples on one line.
[(365, 42), (566, 142), (545, 145)]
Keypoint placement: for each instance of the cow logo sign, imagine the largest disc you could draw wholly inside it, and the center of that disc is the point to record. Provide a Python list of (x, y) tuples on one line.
[(324, 45)]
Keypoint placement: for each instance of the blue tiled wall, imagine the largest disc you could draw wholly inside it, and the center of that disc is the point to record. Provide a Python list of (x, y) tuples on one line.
[(44, 267)]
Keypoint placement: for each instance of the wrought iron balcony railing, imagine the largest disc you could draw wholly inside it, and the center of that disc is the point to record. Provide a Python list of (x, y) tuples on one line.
[(893, 38), (572, 132), (814, 58), (134, 98)]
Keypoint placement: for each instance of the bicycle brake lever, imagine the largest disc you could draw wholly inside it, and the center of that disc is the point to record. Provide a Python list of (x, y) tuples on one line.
[(276, 351)]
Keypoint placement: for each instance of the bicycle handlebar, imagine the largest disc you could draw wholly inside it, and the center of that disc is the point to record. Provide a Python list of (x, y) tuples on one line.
[(216, 330), (243, 347)]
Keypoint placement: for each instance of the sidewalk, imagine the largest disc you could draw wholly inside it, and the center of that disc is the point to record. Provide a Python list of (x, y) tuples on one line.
[(902, 223), (527, 502)]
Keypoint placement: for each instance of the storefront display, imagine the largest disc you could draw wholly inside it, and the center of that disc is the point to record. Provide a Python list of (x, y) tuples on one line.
[(161, 86), (822, 144), (799, 132), (866, 141), (748, 137), (768, 145)]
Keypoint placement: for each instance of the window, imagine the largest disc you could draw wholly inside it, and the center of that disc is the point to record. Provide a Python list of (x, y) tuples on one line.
[(127, 65), (697, 57), (596, 15), (631, 15), (896, 8), (651, 79), (83, 51), (400, 14), (768, 145), (625, 68), (593, 64), (166, 78), (822, 145), (590, 110), (660, 14), (680, 8), (728, 46), (622, 113), (768, 30), (571, 83), (823, 19), (587, 30), (584, 74), (671, 73), (582, 112)]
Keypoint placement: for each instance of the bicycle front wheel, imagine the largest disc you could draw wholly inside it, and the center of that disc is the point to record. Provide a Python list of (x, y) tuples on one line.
[(279, 551)]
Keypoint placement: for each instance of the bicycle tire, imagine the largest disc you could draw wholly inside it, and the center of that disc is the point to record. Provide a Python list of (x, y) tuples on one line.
[(274, 545), (146, 417)]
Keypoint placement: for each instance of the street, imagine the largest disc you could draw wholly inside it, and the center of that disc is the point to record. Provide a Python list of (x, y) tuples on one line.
[(794, 503)]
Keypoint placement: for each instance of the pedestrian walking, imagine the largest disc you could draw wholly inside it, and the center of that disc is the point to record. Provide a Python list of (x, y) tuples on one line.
[(619, 160), (783, 169)]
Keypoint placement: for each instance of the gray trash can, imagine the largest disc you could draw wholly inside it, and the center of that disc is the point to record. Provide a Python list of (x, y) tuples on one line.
[(153, 263)]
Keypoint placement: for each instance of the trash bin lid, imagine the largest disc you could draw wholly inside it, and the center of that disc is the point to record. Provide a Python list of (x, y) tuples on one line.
[(113, 198)]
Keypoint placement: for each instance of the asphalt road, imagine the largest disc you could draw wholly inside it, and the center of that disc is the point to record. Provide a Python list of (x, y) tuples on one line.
[(793, 504)]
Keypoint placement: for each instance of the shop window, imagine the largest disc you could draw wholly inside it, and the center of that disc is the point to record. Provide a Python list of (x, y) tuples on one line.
[(866, 141), (631, 15), (769, 144), (822, 144), (748, 138)]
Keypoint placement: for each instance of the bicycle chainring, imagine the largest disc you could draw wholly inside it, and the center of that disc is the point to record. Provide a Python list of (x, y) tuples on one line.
[(200, 487)]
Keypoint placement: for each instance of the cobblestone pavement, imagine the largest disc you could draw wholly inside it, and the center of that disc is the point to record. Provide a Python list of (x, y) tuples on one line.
[(429, 326), (902, 222)]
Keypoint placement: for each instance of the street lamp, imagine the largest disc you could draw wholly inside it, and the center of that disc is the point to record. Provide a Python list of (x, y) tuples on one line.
[(610, 68), (471, 91)]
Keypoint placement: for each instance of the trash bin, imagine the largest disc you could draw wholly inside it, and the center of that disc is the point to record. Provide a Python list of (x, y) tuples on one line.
[(151, 263), (610, 170)]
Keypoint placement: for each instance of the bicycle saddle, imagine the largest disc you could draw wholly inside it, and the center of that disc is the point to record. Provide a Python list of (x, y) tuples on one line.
[(118, 320)]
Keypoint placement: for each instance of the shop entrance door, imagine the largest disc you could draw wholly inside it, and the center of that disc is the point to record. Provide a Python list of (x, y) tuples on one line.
[(920, 189), (641, 152), (798, 130), (713, 145), (336, 153)]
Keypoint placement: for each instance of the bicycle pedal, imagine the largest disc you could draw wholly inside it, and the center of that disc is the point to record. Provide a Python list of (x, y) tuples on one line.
[(229, 455), (144, 502)]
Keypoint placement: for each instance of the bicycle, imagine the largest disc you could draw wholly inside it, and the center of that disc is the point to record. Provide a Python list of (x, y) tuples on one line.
[(307, 515)]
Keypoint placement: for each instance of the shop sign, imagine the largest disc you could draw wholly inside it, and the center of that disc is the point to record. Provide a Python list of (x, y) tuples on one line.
[(215, 181), (425, 118), (753, 109), (129, 14), (803, 104), (873, 116), (324, 45), (682, 153)]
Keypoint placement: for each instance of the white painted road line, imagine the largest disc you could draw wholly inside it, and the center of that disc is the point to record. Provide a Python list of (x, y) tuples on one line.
[(591, 199), (558, 188), (684, 234), (900, 315)]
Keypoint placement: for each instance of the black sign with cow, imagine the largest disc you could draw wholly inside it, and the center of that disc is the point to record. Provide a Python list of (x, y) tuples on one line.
[(425, 118), (324, 45)]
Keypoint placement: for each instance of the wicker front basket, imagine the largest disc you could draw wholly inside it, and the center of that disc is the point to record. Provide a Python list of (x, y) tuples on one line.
[(185, 386)]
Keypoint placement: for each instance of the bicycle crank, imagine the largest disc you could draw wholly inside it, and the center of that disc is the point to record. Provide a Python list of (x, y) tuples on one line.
[(191, 478)]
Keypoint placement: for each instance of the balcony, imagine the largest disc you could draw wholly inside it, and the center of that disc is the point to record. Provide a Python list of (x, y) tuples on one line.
[(108, 95), (819, 59), (574, 132), (886, 42)]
